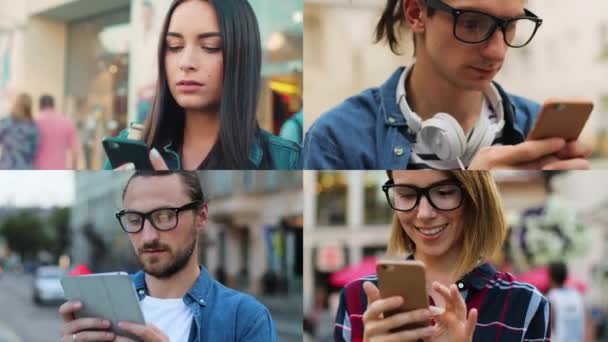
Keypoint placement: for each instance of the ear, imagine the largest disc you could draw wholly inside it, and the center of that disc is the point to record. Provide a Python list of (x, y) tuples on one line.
[(415, 13), (201, 218)]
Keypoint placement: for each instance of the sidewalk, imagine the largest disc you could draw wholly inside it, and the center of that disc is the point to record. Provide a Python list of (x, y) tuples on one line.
[(287, 313), (7, 335)]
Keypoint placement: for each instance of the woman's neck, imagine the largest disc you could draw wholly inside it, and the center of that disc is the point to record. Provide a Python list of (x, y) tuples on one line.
[(201, 131), (440, 268)]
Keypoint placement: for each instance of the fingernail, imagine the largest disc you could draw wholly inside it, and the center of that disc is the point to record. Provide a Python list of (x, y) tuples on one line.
[(435, 310), (154, 153), (122, 325), (105, 322), (129, 167)]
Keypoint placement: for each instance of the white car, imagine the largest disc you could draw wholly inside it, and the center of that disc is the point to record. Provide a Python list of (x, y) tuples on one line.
[(47, 285)]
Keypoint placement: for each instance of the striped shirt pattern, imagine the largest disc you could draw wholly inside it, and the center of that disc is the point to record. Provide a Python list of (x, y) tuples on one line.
[(508, 310), (422, 156)]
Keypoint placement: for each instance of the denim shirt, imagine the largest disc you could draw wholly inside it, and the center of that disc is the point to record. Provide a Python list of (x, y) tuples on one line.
[(268, 151), (220, 314), (368, 130)]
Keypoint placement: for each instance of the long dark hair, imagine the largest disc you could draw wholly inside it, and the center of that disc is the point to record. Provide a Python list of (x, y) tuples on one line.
[(242, 56), (391, 22)]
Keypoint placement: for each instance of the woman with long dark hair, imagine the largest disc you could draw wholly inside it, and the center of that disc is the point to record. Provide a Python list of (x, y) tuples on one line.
[(204, 113)]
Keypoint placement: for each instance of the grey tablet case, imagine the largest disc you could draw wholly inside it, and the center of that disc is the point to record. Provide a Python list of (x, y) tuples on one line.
[(109, 296)]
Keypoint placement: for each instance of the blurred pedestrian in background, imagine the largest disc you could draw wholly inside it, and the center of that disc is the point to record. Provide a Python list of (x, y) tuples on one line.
[(567, 306), (59, 146), (18, 135)]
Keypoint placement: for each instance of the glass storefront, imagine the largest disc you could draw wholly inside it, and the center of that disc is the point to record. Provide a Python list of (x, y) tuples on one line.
[(97, 79)]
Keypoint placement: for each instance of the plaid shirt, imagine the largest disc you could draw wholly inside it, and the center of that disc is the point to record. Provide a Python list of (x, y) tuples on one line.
[(508, 310)]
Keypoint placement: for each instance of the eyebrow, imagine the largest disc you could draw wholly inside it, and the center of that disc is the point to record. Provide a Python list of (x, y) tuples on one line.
[(445, 181), (200, 36)]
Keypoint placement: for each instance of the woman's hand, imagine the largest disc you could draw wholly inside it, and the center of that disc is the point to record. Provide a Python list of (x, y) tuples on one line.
[(453, 324), (378, 329), (157, 161)]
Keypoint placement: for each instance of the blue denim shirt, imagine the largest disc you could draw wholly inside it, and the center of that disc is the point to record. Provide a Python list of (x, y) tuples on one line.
[(368, 130), (220, 314)]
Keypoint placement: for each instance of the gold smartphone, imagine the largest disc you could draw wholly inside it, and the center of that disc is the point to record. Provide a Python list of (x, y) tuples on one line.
[(561, 119), (407, 279)]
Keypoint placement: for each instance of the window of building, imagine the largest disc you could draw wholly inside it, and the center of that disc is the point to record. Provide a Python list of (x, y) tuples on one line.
[(331, 198)]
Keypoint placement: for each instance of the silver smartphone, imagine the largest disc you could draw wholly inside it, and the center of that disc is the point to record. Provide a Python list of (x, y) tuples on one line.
[(109, 296)]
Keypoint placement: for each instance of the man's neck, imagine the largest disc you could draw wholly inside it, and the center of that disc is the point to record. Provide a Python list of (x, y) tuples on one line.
[(428, 93), (175, 286)]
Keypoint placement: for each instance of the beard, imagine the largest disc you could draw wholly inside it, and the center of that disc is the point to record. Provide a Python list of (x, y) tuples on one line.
[(177, 259)]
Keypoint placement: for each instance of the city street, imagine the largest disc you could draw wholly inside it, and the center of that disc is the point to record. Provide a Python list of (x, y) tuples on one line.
[(20, 319)]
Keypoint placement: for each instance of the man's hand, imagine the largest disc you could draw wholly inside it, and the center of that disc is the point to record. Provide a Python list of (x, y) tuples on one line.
[(82, 329), (545, 154), (147, 333)]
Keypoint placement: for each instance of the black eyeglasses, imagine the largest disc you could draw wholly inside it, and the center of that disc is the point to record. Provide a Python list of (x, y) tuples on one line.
[(162, 219), (444, 196), (475, 27)]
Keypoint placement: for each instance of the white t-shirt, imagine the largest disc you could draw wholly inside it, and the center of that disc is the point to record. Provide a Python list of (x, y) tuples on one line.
[(172, 316), (568, 315)]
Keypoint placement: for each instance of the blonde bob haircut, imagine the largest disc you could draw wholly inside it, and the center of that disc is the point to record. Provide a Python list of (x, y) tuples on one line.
[(484, 222)]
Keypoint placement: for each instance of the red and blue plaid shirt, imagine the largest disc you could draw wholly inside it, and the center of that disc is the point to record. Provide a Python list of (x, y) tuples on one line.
[(508, 310)]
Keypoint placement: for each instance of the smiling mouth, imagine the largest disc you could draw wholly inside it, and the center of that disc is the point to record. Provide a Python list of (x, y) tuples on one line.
[(431, 231)]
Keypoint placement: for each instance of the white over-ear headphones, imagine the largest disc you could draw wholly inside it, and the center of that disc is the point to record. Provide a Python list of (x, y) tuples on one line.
[(446, 139), (443, 134)]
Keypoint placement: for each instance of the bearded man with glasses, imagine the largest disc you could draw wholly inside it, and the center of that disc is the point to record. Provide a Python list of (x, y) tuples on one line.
[(164, 214), (444, 111)]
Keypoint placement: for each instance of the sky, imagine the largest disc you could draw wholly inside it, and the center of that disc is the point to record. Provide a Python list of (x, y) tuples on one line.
[(36, 188)]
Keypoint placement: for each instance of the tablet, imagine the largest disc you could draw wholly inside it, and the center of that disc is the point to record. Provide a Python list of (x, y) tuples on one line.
[(109, 296)]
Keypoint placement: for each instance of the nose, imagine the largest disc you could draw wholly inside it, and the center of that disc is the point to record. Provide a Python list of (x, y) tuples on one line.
[(148, 232), (425, 210), (495, 48), (187, 61)]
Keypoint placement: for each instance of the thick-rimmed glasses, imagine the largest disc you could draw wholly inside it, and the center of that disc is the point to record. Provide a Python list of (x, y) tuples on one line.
[(162, 219), (444, 196), (475, 27)]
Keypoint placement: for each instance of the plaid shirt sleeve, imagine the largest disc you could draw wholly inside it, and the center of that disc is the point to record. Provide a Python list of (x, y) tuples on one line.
[(539, 329), (342, 325)]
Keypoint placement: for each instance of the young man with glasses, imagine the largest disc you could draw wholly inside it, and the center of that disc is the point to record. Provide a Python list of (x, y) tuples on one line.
[(164, 215), (444, 111)]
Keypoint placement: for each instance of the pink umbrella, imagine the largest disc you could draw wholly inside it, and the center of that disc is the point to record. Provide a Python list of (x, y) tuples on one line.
[(353, 272), (80, 269), (539, 277)]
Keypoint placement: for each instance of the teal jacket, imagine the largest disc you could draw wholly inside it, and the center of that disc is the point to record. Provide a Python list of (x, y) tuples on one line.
[(278, 154)]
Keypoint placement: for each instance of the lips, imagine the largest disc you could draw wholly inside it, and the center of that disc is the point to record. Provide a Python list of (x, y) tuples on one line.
[(485, 71), (431, 232), (189, 82), (189, 86)]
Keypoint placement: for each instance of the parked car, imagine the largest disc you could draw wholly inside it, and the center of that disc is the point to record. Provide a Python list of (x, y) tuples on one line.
[(47, 285)]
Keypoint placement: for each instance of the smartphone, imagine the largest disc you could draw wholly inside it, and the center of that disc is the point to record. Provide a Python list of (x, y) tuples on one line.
[(121, 151), (404, 278), (109, 296), (561, 119)]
